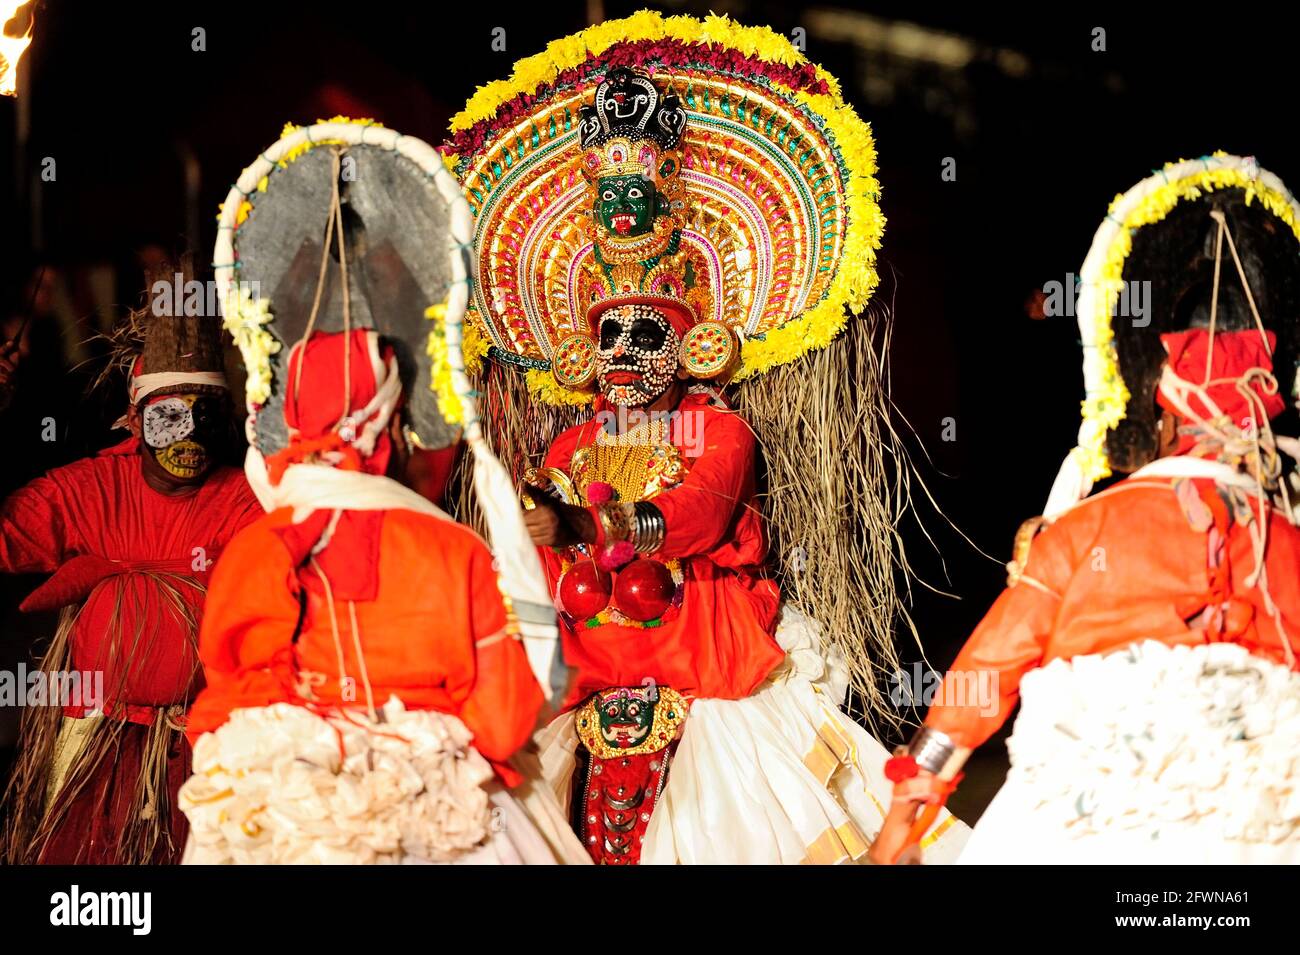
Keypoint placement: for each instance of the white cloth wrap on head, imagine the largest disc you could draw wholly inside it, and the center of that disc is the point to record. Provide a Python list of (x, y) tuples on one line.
[(319, 487), (518, 565), (142, 386), (376, 415)]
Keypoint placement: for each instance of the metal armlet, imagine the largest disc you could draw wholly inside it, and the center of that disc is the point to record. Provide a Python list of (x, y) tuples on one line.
[(648, 527), (936, 752)]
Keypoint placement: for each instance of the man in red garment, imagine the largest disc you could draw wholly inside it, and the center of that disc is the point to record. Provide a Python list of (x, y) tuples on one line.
[(703, 723), (719, 643), (129, 536), (258, 643), (692, 615), (356, 601), (1194, 553)]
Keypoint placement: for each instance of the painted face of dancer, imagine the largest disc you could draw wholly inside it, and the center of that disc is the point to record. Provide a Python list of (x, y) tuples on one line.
[(625, 205), (637, 357), (180, 435)]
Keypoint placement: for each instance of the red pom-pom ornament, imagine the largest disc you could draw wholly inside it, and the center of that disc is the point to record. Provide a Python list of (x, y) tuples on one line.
[(616, 555), (584, 590), (598, 492), (898, 768), (644, 589)]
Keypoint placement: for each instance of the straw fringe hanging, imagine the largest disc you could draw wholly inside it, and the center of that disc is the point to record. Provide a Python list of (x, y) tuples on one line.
[(837, 486), (25, 796), (517, 427), (36, 802)]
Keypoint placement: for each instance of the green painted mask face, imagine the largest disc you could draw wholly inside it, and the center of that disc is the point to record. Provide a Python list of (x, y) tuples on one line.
[(625, 205), (626, 716)]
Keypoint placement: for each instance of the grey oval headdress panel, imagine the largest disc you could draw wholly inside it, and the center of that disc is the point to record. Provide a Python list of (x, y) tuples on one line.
[(395, 231)]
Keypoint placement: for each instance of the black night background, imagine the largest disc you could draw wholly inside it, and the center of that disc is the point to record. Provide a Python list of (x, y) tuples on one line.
[(148, 135)]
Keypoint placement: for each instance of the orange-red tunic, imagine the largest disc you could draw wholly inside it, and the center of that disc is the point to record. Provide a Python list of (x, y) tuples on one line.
[(720, 644), (432, 626), (1118, 568), (103, 529), (137, 561)]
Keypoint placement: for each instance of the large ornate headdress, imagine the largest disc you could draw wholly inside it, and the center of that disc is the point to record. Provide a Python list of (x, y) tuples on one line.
[(1203, 240), (706, 168), (328, 231), (710, 170)]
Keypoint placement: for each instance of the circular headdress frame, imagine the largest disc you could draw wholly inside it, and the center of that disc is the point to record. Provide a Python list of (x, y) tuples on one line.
[(1105, 275), (775, 189), (443, 396)]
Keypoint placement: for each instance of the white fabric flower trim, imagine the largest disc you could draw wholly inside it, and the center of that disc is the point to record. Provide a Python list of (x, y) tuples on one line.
[(271, 786), (1154, 736)]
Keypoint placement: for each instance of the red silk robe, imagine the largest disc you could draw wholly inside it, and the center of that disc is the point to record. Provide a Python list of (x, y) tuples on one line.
[(429, 613), (720, 645), (1119, 568)]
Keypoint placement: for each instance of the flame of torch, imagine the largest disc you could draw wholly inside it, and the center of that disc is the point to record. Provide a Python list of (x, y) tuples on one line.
[(12, 47)]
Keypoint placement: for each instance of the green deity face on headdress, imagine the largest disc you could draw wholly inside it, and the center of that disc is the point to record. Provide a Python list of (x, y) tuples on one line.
[(625, 205)]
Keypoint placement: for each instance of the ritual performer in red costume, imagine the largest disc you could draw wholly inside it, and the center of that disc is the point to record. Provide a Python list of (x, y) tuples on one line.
[(367, 681), (129, 536), (1150, 632), (655, 222)]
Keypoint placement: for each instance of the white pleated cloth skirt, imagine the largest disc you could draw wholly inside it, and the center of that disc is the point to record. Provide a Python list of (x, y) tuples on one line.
[(1151, 754), (781, 777)]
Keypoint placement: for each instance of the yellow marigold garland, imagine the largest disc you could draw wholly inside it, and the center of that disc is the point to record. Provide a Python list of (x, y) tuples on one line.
[(856, 277), (544, 387), (568, 52), (449, 403), (245, 318), (474, 344), (1107, 403)]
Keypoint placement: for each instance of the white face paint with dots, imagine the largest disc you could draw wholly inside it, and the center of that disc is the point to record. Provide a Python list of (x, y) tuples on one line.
[(166, 422), (177, 429), (637, 355)]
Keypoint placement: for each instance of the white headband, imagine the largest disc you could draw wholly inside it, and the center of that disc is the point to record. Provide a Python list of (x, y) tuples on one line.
[(142, 386)]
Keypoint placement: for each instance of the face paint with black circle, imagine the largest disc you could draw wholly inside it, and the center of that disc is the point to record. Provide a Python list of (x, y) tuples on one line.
[(180, 431), (637, 355)]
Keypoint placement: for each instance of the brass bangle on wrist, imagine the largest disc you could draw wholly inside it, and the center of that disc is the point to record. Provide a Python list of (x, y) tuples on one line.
[(641, 523), (615, 522)]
